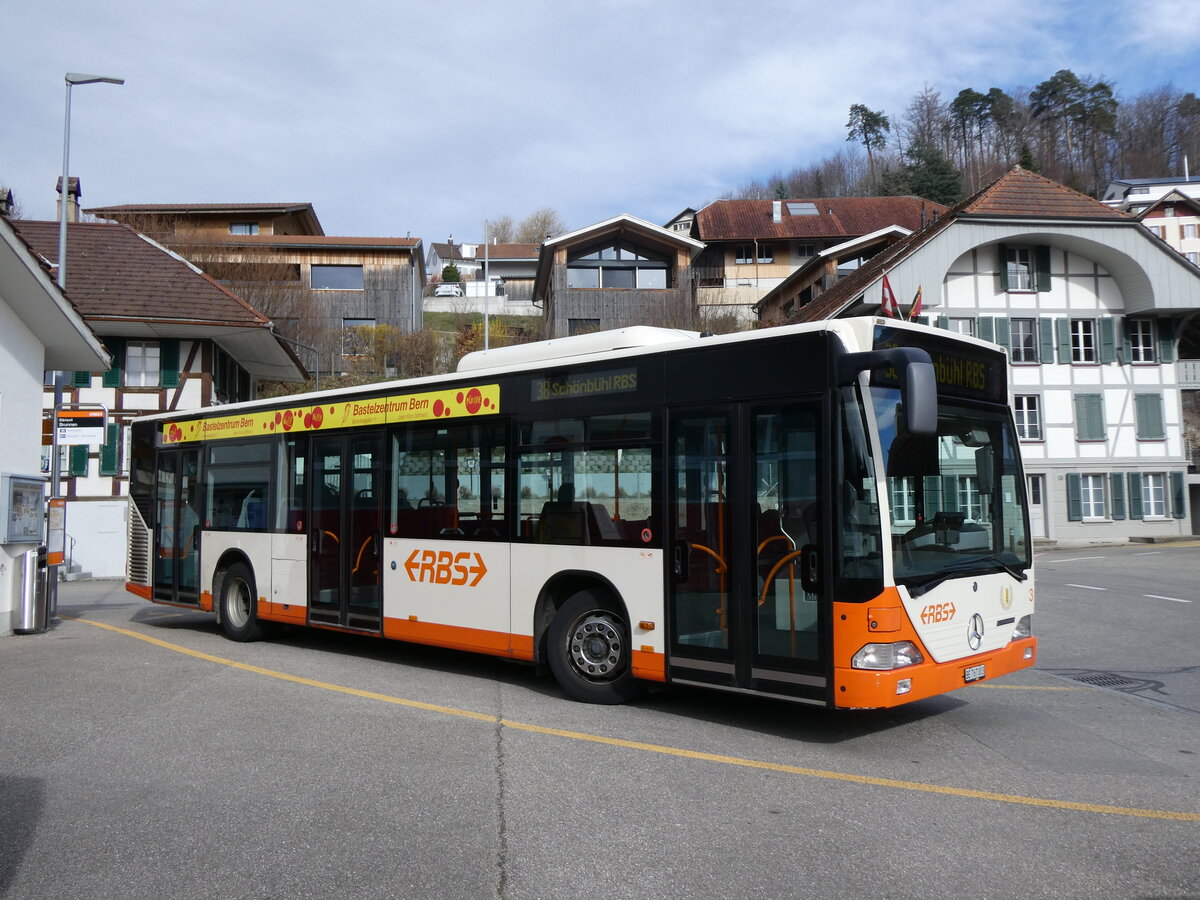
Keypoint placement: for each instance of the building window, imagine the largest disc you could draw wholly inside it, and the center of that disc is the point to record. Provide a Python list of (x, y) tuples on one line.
[(804, 251), (1193, 257), (1154, 496), (142, 364), (243, 228), (1141, 340), (961, 326), (1020, 268), (743, 254), (1159, 231), (1027, 410), (1083, 341), (904, 498), (1024, 341), (969, 503), (1189, 231), (357, 340), (1089, 417), (1091, 496), (1148, 415), (336, 278), (618, 266)]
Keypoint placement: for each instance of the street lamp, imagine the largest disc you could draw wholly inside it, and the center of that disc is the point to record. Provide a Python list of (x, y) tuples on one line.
[(72, 78)]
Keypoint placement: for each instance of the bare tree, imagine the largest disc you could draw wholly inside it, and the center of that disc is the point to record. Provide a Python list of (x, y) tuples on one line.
[(538, 225), (499, 229)]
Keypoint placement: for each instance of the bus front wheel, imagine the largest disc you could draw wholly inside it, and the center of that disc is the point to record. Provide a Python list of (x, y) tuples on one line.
[(239, 604), (589, 649)]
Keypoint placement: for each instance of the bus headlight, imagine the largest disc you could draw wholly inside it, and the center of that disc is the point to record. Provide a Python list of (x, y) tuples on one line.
[(887, 656), (1024, 628)]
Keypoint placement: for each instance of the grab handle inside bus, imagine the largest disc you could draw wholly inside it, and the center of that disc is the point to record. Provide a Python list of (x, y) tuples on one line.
[(918, 382)]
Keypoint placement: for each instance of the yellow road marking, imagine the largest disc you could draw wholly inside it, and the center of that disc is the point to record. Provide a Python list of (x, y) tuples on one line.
[(657, 748)]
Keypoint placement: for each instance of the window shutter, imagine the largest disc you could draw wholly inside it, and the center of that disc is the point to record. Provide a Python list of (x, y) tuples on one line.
[(1177, 495), (1148, 417), (1003, 333), (1089, 417), (114, 376), (1108, 346), (1074, 498), (1063, 327), (1135, 495), (1042, 258), (1116, 483), (942, 321), (1126, 341), (922, 320), (110, 452), (1166, 340), (79, 459), (81, 379), (950, 493), (1002, 269), (168, 362), (1046, 339), (987, 328)]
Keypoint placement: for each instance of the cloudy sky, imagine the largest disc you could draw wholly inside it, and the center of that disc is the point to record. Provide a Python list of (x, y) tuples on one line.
[(398, 117)]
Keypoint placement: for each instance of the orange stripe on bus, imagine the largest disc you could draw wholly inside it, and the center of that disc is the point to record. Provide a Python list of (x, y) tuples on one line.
[(456, 637), (142, 590), (650, 666), (282, 612), (206, 601)]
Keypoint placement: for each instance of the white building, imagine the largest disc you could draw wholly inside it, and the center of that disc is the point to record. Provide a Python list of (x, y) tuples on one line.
[(1089, 305), (39, 330)]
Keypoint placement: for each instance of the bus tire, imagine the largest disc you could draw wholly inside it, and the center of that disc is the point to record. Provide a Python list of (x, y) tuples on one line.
[(589, 649), (239, 604)]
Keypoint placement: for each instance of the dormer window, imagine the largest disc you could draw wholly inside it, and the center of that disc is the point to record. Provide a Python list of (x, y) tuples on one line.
[(618, 265), (243, 228)]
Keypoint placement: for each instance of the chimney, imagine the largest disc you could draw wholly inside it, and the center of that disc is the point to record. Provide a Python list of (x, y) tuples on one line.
[(74, 192), (776, 211)]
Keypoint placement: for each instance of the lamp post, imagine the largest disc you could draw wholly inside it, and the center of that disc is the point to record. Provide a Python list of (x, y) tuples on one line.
[(72, 79)]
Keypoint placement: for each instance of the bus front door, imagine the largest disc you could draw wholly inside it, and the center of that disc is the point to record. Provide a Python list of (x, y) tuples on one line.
[(345, 503), (745, 503), (177, 527)]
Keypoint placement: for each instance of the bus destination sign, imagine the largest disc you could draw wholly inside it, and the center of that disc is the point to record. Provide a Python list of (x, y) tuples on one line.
[(960, 370), (415, 407), (584, 384)]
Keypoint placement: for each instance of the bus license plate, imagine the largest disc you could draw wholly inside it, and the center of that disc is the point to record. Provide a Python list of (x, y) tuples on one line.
[(974, 673)]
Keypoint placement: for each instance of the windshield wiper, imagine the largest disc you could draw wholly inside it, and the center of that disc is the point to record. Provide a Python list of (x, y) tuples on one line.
[(975, 565)]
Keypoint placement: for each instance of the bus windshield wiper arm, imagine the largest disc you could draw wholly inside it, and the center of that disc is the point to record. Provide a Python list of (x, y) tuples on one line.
[(979, 563)]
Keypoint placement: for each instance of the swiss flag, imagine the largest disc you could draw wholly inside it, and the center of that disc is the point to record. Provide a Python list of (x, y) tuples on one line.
[(888, 305)]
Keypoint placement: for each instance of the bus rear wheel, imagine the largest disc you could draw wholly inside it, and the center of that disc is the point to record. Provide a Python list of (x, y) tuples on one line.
[(239, 604), (589, 649)]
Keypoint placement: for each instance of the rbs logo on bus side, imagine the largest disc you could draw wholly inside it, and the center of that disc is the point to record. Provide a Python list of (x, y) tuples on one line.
[(444, 567)]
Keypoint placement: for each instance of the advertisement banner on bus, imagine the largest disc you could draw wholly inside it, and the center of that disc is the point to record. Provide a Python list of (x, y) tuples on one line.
[(465, 402)]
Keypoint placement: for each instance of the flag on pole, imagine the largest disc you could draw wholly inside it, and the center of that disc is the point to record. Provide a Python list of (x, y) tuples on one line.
[(915, 309), (888, 305)]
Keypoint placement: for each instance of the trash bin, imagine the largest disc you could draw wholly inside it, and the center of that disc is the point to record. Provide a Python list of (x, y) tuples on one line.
[(31, 618)]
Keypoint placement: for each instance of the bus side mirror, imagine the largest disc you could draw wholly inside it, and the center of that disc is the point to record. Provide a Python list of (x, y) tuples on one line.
[(920, 397)]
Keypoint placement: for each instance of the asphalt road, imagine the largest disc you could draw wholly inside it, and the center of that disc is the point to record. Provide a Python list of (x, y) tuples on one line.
[(143, 755)]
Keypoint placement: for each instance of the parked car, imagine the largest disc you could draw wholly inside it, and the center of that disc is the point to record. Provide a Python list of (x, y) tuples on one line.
[(449, 289)]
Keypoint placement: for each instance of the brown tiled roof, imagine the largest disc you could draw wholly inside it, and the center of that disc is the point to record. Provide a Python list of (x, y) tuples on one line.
[(301, 240), (115, 273), (196, 208), (1017, 193), (509, 251), (837, 218)]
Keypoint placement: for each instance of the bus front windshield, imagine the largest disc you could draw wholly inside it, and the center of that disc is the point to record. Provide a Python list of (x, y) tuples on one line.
[(957, 499)]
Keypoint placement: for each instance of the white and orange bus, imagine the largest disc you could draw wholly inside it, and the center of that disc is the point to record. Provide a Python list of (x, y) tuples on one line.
[(831, 513)]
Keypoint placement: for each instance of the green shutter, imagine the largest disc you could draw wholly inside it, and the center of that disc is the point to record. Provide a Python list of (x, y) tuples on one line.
[(1166, 340), (79, 459), (1148, 417), (1116, 483), (1089, 417), (110, 452), (942, 321), (1178, 500), (986, 328), (1063, 328), (1003, 333), (1135, 495), (1074, 498), (114, 376), (1126, 341), (1108, 341), (1046, 339), (1003, 267), (81, 379), (168, 361), (1042, 258)]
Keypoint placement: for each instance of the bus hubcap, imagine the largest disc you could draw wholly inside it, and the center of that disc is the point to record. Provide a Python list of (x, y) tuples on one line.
[(596, 645)]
